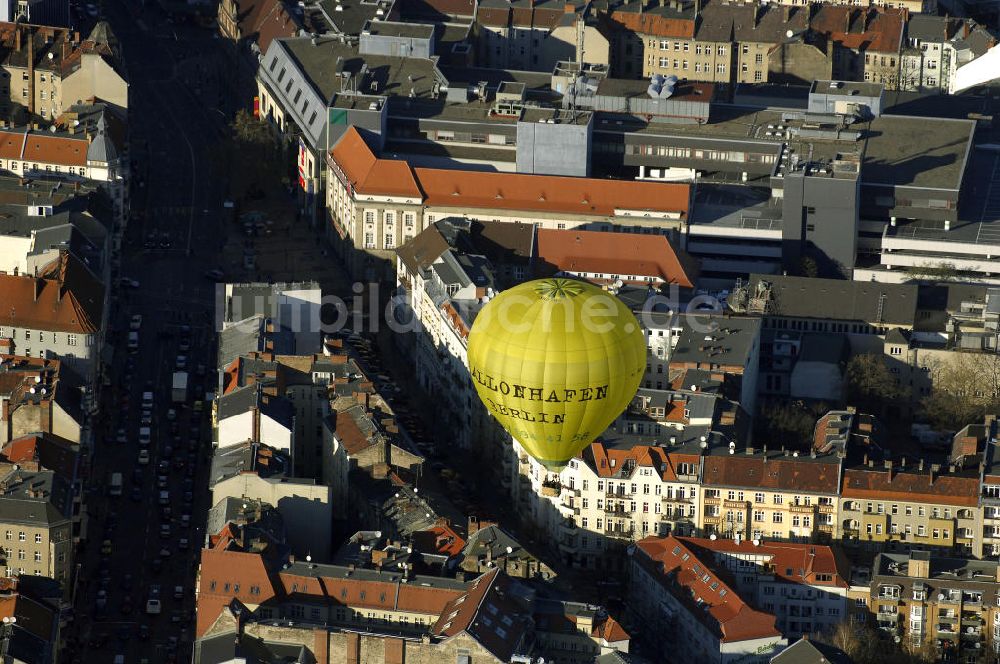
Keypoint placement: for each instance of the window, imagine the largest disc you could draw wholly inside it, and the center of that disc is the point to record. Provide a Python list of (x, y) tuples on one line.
[(758, 497), (390, 241), (21, 536), (38, 539), (758, 76), (369, 240), (720, 69), (721, 50), (38, 556), (777, 517), (71, 339)]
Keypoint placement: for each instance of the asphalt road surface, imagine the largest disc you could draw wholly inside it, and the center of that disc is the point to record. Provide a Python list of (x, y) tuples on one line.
[(172, 239)]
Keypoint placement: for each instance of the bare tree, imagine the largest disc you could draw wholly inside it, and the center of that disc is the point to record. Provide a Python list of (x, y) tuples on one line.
[(964, 387)]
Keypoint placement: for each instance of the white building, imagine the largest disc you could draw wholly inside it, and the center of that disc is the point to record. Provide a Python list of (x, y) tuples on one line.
[(247, 413)]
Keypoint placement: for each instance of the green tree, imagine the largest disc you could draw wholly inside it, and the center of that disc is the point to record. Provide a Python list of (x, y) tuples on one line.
[(789, 423), (252, 157), (870, 385)]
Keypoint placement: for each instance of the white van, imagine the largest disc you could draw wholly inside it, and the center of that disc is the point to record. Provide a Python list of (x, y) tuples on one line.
[(144, 436)]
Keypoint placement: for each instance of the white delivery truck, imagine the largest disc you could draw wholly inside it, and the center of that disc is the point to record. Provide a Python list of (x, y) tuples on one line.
[(115, 485), (179, 393)]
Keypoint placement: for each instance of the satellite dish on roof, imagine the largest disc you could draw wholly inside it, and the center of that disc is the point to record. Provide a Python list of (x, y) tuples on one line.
[(510, 550), (789, 34), (713, 537)]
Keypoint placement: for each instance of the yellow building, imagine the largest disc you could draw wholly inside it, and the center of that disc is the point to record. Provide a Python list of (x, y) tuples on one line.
[(902, 507), (770, 494)]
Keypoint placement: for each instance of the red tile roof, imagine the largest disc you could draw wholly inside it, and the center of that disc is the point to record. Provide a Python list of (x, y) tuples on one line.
[(728, 615), (451, 188), (65, 297), (221, 573), (777, 473), (865, 29), (653, 25), (946, 489), (612, 253), (47, 450), (482, 612)]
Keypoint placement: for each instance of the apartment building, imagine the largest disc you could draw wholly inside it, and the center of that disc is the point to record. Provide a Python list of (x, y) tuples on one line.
[(287, 391), (640, 36), (676, 584), (31, 622), (419, 618), (867, 41), (258, 472), (290, 314), (898, 506), (46, 70), (773, 494), (34, 399), (36, 513), (59, 312), (251, 25), (948, 605), (531, 36)]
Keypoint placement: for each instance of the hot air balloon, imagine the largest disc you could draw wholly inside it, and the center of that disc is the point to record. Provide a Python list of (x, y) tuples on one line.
[(556, 361)]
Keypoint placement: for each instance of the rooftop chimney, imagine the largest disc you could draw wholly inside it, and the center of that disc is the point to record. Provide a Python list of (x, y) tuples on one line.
[(935, 468), (888, 469)]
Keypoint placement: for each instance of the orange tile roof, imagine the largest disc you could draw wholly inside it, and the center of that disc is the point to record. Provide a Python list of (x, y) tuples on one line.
[(370, 175), (452, 188), (611, 253), (728, 615), (66, 297), (867, 29), (610, 630), (653, 25), (48, 450), (26, 145), (911, 487), (648, 456), (440, 539), (221, 571), (548, 193), (793, 562)]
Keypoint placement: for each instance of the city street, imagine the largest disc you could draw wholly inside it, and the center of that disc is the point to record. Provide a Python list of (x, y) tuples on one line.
[(174, 235)]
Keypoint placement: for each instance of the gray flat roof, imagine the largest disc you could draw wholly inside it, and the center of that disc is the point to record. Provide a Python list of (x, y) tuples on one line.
[(318, 63), (846, 88), (394, 29), (728, 340), (835, 299), (910, 151)]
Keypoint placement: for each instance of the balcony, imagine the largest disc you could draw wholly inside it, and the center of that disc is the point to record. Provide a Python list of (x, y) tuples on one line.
[(618, 494), (620, 533), (551, 489), (945, 628), (972, 619), (801, 509), (613, 509), (712, 501), (947, 617), (735, 504), (677, 499)]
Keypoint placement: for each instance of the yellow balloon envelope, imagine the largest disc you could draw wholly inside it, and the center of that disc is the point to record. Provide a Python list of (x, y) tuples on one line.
[(556, 361)]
